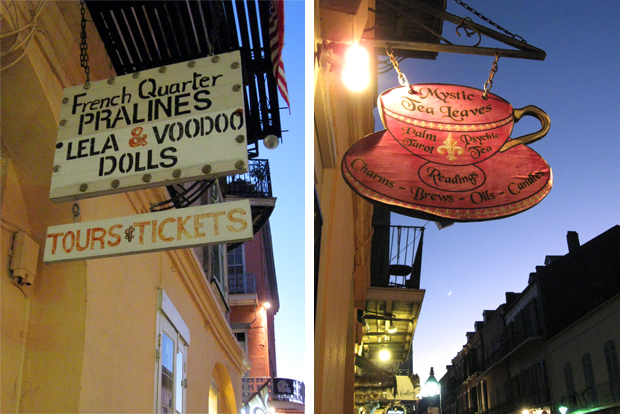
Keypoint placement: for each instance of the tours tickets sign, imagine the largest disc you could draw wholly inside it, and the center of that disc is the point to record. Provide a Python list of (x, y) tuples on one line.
[(228, 222), (448, 153), (163, 126)]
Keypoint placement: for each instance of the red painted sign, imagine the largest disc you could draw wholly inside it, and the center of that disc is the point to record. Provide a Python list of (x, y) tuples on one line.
[(447, 153)]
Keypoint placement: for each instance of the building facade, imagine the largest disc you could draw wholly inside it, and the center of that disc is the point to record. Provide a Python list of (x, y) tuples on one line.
[(552, 345), (140, 333)]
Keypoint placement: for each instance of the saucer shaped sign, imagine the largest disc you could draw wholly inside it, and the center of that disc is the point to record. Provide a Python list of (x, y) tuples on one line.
[(448, 153)]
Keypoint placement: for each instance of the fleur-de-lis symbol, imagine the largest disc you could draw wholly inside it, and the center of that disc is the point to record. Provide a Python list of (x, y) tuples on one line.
[(450, 147)]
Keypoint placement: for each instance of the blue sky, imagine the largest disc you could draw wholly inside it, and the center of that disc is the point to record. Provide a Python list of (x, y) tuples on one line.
[(287, 220), (468, 267)]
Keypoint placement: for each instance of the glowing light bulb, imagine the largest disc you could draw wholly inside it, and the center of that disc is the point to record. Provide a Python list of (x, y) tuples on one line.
[(384, 355), (356, 71)]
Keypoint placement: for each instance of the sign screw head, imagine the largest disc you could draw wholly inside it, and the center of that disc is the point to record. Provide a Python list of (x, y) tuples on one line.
[(111, 80), (215, 59), (87, 85), (56, 168), (176, 173), (236, 88), (135, 75), (63, 122), (115, 183), (65, 100), (206, 169), (191, 63), (163, 69), (234, 65), (240, 139), (83, 187), (239, 165), (146, 178)]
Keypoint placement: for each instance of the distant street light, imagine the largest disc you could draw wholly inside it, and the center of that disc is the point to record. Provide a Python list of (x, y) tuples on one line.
[(563, 409), (432, 387)]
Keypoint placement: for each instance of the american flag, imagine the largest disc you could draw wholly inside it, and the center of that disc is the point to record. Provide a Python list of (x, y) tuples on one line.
[(276, 42)]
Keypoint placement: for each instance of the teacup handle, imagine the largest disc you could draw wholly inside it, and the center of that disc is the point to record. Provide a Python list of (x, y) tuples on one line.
[(539, 114)]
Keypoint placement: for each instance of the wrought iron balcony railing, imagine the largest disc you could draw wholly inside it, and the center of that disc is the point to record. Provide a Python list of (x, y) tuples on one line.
[(241, 283), (280, 389), (396, 256), (256, 183)]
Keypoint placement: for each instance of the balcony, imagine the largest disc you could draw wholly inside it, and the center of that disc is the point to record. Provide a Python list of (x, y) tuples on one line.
[(241, 284), (283, 394), (254, 185), (394, 298)]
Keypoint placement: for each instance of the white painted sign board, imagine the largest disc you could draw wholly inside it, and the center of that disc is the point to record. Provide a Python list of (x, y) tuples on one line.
[(164, 230), (151, 128)]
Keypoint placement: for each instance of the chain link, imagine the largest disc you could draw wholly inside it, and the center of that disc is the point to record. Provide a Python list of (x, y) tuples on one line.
[(402, 79), (76, 211), (84, 45), (486, 19), (489, 83)]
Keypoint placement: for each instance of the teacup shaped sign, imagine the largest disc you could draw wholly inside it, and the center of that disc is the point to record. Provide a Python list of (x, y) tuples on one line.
[(453, 124)]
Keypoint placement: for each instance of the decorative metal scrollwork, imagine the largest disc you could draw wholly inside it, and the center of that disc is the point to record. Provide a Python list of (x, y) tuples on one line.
[(469, 30)]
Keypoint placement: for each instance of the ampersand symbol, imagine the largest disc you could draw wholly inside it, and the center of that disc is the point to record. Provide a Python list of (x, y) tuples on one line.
[(138, 138)]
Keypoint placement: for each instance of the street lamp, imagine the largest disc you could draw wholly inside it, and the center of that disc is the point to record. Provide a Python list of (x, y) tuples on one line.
[(563, 409), (432, 387)]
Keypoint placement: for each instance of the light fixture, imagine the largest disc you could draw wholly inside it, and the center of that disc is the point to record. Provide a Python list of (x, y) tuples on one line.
[(563, 409), (356, 72), (350, 62), (271, 141), (431, 385), (391, 328), (384, 354), (267, 305)]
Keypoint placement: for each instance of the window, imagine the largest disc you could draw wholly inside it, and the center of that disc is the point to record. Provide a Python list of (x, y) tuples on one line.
[(236, 261), (213, 392), (588, 375), (218, 269), (613, 370), (172, 343), (568, 378)]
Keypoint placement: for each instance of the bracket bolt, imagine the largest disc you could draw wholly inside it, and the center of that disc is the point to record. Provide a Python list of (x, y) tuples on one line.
[(135, 75), (146, 178), (191, 63), (65, 100), (234, 65), (239, 139), (63, 122), (163, 69), (56, 168), (83, 187), (236, 88), (115, 183), (206, 169), (176, 173), (239, 165), (111, 80), (215, 59)]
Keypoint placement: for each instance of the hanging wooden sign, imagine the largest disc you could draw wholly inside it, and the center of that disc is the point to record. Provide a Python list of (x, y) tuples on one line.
[(447, 154), (164, 230), (166, 125)]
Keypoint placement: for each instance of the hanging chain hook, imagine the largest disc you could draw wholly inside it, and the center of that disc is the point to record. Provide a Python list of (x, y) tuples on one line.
[(84, 46), (489, 83), (76, 211), (402, 79)]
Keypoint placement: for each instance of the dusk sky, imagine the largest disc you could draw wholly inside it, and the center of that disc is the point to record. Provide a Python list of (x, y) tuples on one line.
[(286, 163), (467, 268)]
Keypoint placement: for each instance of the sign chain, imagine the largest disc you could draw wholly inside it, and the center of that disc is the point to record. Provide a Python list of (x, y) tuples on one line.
[(76, 211), (402, 79), (84, 45), (486, 19), (489, 83)]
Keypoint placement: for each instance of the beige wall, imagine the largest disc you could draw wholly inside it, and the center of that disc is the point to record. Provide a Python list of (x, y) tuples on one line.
[(82, 338)]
